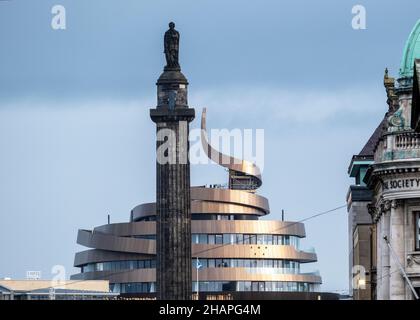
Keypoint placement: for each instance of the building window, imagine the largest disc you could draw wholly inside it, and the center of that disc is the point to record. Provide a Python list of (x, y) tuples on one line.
[(211, 263), (219, 239), (247, 239), (227, 239), (247, 286), (268, 239), (133, 287), (417, 230), (211, 239), (202, 239), (254, 286), (253, 239), (239, 238), (204, 263)]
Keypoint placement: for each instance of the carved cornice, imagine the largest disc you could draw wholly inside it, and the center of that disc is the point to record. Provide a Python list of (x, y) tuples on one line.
[(382, 172), (379, 171)]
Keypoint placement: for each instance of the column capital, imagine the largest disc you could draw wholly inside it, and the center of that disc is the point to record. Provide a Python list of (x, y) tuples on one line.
[(374, 211), (396, 203), (386, 206)]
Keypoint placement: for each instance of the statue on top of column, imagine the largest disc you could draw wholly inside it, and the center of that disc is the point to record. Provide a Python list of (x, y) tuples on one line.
[(171, 43)]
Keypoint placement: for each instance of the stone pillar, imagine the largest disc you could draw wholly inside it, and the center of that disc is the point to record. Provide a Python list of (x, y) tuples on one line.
[(351, 224), (379, 259), (396, 239), (173, 200), (385, 255)]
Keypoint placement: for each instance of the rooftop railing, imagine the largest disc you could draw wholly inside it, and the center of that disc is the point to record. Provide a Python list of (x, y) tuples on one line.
[(407, 140)]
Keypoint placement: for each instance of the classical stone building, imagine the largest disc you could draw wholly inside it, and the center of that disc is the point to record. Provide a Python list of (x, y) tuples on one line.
[(388, 188), (360, 224)]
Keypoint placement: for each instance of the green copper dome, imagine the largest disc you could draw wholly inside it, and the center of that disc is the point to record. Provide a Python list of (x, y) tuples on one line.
[(411, 52)]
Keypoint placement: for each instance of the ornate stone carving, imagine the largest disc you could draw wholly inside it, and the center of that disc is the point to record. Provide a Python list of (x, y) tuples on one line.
[(397, 120), (389, 84), (387, 205), (371, 209), (396, 203), (412, 260), (382, 207), (374, 212)]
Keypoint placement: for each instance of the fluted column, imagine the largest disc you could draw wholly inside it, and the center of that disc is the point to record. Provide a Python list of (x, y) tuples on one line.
[(397, 284), (173, 226), (385, 262), (173, 200), (379, 273)]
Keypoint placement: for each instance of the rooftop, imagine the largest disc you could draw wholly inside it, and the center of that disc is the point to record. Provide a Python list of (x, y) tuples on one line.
[(32, 285), (411, 51)]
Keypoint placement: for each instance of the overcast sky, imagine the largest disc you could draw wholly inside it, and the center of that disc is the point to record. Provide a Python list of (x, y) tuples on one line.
[(77, 142)]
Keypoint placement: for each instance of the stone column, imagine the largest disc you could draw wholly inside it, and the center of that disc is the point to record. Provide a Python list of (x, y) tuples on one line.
[(350, 225), (173, 200), (379, 259), (385, 264), (396, 239)]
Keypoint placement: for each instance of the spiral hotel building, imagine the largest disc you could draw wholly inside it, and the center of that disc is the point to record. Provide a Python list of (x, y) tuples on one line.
[(234, 254), (239, 256)]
